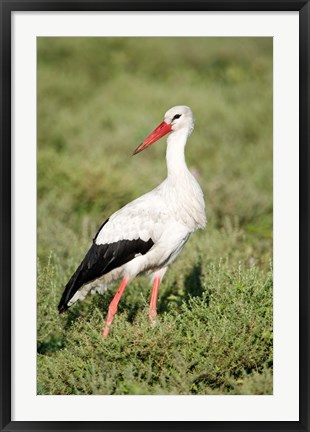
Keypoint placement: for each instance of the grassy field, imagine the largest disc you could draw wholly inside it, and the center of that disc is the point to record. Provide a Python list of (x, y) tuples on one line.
[(98, 98)]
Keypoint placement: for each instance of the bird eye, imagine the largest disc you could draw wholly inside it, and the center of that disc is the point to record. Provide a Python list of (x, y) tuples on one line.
[(176, 116)]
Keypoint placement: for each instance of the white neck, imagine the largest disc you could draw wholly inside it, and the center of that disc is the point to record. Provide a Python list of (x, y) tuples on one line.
[(183, 192), (175, 154)]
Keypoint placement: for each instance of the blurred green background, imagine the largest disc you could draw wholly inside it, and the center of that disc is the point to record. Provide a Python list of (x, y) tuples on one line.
[(98, 98)]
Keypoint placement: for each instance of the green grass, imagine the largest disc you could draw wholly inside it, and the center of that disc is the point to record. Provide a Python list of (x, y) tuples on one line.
[(98, 98)]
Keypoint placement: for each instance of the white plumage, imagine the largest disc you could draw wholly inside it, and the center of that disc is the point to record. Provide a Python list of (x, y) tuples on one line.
[(149, 232)]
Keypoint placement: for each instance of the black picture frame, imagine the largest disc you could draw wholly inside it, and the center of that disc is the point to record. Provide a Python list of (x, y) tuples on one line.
[(6, 9)]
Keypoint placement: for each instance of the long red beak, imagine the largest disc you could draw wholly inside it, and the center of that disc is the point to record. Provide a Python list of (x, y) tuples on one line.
[(157, 133)]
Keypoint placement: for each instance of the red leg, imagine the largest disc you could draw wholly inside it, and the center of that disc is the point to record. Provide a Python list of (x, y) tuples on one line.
[(154, 296), (113, 307)]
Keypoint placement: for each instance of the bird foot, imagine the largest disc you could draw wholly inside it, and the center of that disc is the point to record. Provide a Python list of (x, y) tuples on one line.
[(153, 323), (106, 331), (153, 317)]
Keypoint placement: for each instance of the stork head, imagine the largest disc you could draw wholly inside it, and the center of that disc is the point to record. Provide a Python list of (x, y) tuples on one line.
[(176, 119), (180, 117)]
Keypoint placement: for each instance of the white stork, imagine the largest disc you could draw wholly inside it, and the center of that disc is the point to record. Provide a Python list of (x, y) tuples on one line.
[(147, 234)]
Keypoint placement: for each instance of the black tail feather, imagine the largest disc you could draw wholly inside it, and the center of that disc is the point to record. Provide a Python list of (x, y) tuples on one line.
[(90, 268), (62, 308), (71, 288), (99, 260)]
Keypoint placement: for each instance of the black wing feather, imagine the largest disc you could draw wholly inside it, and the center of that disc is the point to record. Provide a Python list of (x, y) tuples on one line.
[(100, 260)]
